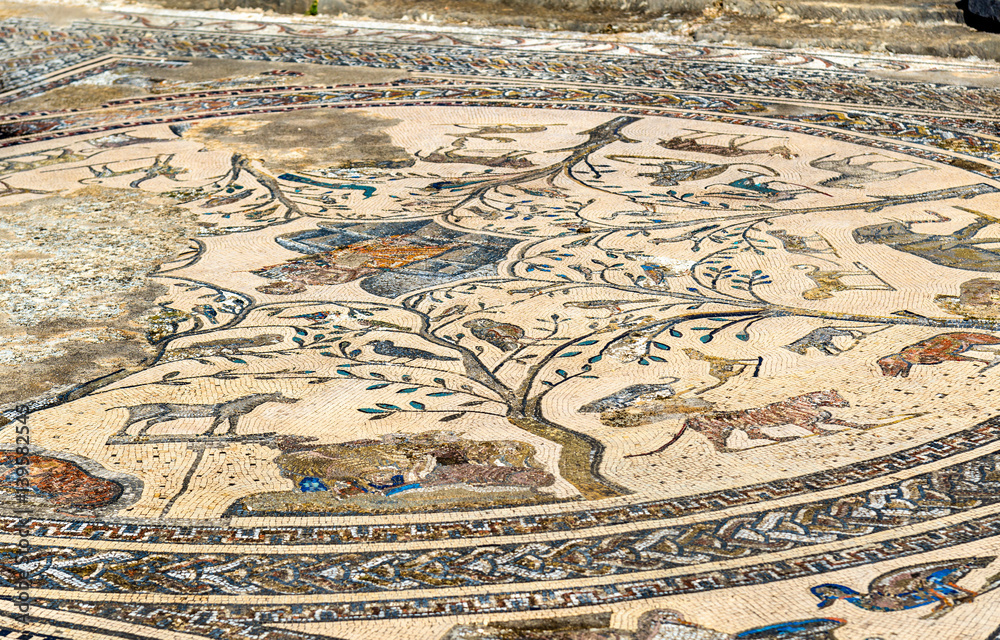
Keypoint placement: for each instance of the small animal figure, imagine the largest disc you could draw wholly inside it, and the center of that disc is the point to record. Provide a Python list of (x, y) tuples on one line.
[(959, 249), (722, 369), (627, 397), (822, 339), (665, 624), (946, 347), (225, 346), (382, 324), (734, 148), (858, 174), (283, 73), (485, 214), (650, 408), (813, 244), (160, 167), (801, 411), (510, 160), (613, 306), (502, 335), (977, 298), (672, 171), (453, 310), (11, 165), (221, 201), (831, 282), (909, 588), (388, 348), (492, 132), (230, 412)]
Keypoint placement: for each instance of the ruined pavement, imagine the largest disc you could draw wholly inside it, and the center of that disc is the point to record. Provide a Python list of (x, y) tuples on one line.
[(675, 327)]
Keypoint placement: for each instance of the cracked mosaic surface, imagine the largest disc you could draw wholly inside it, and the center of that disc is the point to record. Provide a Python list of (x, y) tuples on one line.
[(320, 331)]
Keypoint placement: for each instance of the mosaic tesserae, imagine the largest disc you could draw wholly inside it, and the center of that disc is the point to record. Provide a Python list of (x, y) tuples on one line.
[(319, 331)]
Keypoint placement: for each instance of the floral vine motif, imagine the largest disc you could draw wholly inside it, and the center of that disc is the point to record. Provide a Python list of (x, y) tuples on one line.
[(553, 230)]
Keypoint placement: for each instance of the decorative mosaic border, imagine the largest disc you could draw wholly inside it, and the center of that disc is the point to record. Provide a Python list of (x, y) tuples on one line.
[(205, 619), (822, 85), (945, 492), (472, 529), (956, 489), (201, 105)]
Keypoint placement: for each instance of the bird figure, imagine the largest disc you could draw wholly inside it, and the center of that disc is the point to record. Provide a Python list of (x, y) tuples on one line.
[(814, 629), (613, 306), (665, 624), (659, 273), (388, 348), (315, 318), (911, 587), (501, 335)]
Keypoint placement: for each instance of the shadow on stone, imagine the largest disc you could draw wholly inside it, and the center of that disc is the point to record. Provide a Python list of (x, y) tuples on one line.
[(982, 15)]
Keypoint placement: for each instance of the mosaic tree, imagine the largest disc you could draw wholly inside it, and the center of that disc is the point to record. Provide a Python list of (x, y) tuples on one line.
[(617, 248)]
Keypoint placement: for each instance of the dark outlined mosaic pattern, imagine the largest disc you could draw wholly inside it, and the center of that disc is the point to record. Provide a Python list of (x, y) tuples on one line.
[(587, 339)]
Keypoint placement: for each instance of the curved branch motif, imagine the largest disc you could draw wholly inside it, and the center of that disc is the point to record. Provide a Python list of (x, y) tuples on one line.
[(603, 268)]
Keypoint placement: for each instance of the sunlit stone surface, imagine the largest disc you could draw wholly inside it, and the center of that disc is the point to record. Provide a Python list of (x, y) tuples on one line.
[(320, 331)]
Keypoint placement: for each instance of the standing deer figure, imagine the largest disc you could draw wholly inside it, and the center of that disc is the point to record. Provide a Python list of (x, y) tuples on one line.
[(230, 411), (734, 148)]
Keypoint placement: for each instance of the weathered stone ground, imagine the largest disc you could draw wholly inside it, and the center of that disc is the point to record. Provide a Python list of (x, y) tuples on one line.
[(337, 329), (74, 285), (925, 27), (47, 355), (76, 297)]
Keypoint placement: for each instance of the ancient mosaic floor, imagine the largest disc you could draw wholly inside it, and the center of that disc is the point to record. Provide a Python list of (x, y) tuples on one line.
[(314, 332)]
